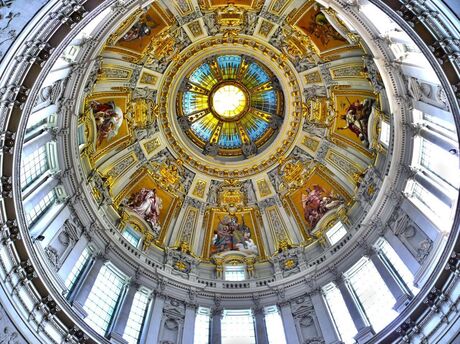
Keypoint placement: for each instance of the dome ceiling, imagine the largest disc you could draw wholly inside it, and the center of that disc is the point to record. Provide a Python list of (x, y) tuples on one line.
[(243, 131)]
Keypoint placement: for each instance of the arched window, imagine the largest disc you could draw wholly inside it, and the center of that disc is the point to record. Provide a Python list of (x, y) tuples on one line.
[(237, 326), (136, 316), (133, 237), (103, 298), (202, 320), (33, 166), (396, 266), (339, 313), (274, 325), (77, 269), (234, 272), (371, 293), (40, 208), (336, 233)]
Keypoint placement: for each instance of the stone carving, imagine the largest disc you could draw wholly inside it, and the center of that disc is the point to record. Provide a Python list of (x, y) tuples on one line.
[(288, 260), (180, 260), (428, 93), (61, 245), (248, 190), (8, 333), (306, 321), (172, 322), (415, 239), (213, 192), (314, 91), (424, 249)]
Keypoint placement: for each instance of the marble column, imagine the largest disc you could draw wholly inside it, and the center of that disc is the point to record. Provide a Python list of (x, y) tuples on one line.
[(260, 326), (152, 330), (216, 330), (325, 322), (288, 323), (402, 298), (121, 317), (362, 325), (188, 333), (402, 251), (82, 290)]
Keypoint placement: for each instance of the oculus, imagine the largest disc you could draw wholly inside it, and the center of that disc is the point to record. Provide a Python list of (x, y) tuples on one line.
[(230, 106)]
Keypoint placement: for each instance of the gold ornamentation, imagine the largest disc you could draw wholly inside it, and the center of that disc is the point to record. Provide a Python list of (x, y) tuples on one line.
[(151, 145), (265, 28), (147, 78), (203, 166), (195, 28), (181, 266), (313, 78), (289, 264), (199, 189), (264, 189), (310, 143)]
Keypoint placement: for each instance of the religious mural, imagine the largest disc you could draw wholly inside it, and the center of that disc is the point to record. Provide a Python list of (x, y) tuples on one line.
[(316, 202), (318, 196), (149, 25), (108, 117), (143, 27), (315, 24), (147, 204), (146, 198), (357, 118), (231, 235)]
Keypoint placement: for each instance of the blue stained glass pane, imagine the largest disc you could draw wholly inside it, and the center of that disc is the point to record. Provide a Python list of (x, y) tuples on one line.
[(255, 76), (229, 136), (203, 76), (265, 101), (192, 102), (255, 126), (229, 65), (204, 127)]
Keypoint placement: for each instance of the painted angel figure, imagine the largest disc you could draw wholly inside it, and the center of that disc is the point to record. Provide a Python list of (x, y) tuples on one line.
[(357, 117), (109, 118), (316, 203), (147, 204), (138, 30)]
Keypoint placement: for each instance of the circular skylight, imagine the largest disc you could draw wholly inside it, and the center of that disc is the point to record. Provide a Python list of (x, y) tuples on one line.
[(231, 106), (229, 101)]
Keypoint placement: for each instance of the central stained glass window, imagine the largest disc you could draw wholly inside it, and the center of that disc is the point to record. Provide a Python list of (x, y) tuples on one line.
[(229, 101), (230, 106)]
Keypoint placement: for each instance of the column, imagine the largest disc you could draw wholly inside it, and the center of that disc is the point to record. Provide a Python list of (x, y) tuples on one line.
[(152, 330), (82, 289), (216, 330), (290, 330), (260, 326), (121, 316), (325, 323), (402, 298), (365, 331), (188, 333), (402, 251)]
